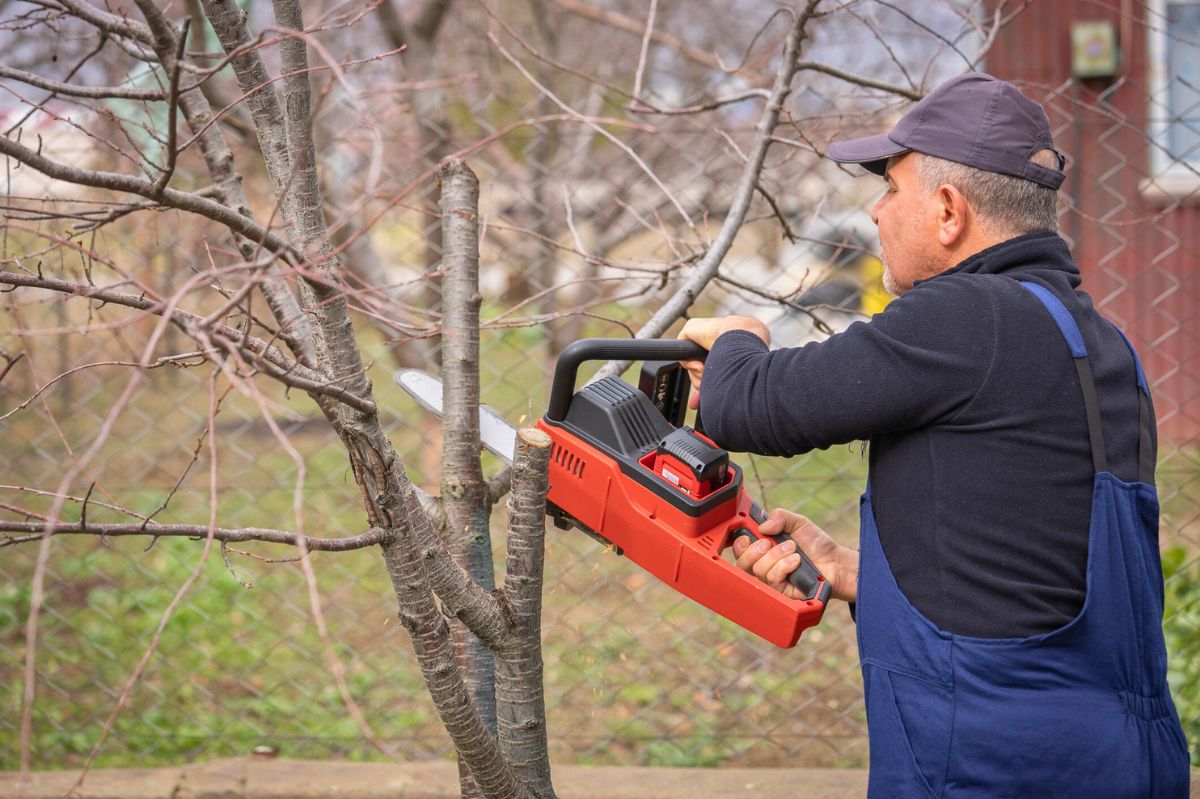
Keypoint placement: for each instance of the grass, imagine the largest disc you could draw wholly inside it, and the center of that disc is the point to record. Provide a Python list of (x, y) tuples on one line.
[(634, 673)]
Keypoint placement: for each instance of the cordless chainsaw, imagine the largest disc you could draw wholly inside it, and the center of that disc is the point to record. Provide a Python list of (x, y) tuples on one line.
[(625, 470)]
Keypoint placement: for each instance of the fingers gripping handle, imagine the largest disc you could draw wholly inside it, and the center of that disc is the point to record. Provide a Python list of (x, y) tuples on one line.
[(805, 578)]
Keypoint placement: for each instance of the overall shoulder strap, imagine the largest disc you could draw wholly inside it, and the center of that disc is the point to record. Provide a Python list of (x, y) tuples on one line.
[(1145, 417), (1087, 384)]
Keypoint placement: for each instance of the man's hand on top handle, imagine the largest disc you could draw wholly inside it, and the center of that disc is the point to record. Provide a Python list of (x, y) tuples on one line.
[(705, 332), (773, 563)]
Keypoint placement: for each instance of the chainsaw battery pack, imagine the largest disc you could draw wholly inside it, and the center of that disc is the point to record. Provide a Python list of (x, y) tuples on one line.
[(689, 461)]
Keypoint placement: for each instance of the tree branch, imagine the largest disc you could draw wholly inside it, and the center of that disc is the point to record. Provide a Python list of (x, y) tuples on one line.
[(271, 359), (519, 687), (431, 642), (75, 90), (118, 25), (388, 496), (256, 84), (35, 530), (297, 331), (464, 493), (706, 269), (172, 198), (299, 195), (172, 109), (499, 484), (858, 80)]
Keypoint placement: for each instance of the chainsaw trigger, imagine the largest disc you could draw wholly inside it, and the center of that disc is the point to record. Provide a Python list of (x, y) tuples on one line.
[(740, 532)]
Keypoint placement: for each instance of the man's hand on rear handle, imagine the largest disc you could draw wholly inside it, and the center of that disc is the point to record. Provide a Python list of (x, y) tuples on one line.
[(773, 563)]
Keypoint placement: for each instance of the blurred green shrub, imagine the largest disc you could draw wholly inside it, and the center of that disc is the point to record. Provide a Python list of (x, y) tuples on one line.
[(1181, 625)]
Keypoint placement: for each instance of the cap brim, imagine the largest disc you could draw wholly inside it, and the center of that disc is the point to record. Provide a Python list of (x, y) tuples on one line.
[(872, 152)]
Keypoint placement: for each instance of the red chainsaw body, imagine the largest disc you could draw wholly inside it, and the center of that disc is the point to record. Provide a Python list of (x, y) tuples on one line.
[(660, 525)]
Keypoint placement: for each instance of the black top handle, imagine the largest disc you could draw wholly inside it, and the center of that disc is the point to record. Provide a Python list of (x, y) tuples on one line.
[(604, 349)]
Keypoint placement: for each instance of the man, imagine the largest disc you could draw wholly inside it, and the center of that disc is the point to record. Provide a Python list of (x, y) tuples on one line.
[(1008, 585)]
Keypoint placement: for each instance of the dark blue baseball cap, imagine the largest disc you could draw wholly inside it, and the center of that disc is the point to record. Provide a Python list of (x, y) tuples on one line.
[(973, 119)]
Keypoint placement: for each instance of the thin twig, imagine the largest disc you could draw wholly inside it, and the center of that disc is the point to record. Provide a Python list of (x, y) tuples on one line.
[(808, 310), (163, 361), (641, 65), (36, 530), (9, 363), (172, 114), (623, 23), (753, 40), (869, 83), (103, 40), (706, 269), (787, 229), (625, 148), (700, 108)]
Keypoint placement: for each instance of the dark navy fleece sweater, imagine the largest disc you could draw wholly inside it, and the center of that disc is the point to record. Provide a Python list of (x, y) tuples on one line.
[(981, 469)]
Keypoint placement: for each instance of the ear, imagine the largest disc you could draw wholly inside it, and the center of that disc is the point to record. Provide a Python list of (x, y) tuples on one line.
[(953, 215)]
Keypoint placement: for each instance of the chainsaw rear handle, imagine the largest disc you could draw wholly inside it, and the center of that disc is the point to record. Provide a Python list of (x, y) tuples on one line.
[(604, 349), (805, 577)]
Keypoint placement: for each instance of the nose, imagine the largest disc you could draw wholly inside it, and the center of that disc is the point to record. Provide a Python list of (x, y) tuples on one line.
[(875, 210)]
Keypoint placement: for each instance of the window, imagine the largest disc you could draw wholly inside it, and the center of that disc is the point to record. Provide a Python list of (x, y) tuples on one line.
[(1174, 104)]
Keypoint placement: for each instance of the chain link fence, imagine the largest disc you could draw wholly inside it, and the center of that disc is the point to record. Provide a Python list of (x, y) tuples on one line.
[(591, 215)]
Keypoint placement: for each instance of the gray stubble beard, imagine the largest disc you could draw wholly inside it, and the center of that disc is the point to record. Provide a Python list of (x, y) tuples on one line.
[(889, 281)]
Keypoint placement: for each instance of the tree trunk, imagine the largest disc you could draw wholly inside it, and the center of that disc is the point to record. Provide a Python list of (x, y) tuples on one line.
[(464, 493)]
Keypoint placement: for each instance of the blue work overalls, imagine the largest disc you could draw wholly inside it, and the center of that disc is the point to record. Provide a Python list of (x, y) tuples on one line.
[(1083, 711)]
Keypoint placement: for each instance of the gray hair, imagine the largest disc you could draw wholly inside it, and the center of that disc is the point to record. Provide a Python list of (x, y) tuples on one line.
[(1005, 205)]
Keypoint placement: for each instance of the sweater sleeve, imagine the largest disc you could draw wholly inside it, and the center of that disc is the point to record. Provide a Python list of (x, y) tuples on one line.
[(920, 360)]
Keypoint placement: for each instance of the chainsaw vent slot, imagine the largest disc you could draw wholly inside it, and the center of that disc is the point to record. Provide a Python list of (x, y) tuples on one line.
[(705, 541), (569, 460)]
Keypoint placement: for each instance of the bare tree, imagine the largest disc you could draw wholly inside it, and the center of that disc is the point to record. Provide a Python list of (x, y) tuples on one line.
[(226, 142)]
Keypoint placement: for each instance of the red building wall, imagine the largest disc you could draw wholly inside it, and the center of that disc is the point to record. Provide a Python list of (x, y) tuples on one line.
[(1138, 251)]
